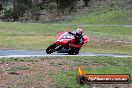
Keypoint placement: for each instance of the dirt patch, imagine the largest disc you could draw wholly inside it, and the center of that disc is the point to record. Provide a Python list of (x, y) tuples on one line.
[(30, 74)]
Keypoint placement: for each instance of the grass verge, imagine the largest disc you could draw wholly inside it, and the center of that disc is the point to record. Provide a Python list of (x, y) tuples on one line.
[(58, 72), (104, 16)]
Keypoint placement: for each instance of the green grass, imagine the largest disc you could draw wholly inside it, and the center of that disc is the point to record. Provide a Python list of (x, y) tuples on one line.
[(18, 68), (39, 36), (103, 16), (2, 60), (110, 31), (92, 65), (28, 29)]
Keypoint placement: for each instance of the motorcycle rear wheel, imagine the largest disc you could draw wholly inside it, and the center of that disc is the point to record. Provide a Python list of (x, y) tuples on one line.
[(73, 51), (51, 48)]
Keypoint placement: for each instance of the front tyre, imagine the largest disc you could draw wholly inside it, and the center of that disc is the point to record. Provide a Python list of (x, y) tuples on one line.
[(51, 48)]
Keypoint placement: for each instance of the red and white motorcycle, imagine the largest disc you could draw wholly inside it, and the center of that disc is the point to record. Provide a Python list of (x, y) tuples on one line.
[(62, 44)]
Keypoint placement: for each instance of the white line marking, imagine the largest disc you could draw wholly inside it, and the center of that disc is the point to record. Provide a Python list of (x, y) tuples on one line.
[(90, 55)]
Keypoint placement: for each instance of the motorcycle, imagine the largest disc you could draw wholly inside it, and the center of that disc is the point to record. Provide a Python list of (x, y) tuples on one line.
[(62, 44)]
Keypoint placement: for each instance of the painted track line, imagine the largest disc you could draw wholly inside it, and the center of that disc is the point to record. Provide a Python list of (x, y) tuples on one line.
[(24, 56)]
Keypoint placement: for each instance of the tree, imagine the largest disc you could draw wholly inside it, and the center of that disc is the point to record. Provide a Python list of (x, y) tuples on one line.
[(66, 5), (18, 8), (86, 2), (1, 5)]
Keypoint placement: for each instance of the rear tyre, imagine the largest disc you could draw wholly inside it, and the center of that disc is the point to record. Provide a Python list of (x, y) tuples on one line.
[(51, 48), (73, 51), (76, 51)]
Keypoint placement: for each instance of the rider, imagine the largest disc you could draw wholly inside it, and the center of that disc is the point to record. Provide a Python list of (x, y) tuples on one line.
[(78, 38)]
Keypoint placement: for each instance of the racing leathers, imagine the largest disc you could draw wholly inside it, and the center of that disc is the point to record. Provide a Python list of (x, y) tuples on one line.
[(78, 40)]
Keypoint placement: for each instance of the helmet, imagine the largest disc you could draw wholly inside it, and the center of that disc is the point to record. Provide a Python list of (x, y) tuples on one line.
[(79, 31)]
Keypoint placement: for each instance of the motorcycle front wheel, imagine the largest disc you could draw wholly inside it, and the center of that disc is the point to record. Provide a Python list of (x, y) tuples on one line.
[(51, 48)]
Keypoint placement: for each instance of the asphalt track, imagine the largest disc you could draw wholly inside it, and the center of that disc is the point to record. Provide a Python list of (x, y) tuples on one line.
[(29, 53)]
